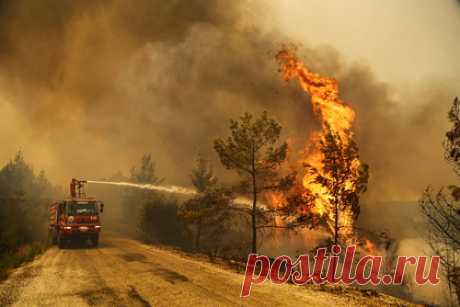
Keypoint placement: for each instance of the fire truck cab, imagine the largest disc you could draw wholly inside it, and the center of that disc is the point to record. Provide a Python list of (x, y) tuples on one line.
[(76, 218)]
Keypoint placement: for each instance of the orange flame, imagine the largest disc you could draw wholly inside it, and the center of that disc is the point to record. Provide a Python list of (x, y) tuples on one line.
[(370, 247), (335, 115)]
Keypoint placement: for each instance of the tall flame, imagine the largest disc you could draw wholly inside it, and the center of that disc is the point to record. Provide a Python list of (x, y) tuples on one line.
[(335, 115)]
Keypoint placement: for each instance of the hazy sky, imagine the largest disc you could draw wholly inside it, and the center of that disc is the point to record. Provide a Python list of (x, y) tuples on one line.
[(403, 40)]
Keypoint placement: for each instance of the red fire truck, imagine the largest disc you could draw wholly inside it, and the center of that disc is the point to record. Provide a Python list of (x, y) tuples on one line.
[(76, 218)]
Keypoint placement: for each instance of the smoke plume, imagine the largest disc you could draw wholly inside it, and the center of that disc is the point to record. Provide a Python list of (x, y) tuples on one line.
[(86, 87)]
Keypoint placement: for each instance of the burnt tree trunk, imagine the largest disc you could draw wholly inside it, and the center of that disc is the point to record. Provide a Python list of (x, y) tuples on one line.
[(198, 235), (254, 204), (336, 222)]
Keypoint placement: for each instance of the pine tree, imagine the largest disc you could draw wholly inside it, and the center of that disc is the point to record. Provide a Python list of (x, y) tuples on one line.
[(254, 152)]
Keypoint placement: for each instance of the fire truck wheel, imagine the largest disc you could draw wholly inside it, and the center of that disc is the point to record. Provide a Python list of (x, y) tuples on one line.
[(95, 241), (51, 239), (60, 242)]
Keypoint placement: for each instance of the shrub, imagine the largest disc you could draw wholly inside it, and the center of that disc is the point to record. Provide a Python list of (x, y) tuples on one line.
[(160, 223)]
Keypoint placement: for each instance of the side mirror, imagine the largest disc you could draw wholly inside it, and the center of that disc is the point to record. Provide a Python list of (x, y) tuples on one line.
[(102, 207)]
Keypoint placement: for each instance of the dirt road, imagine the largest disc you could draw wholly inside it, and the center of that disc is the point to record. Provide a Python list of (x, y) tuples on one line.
[(123, 272)]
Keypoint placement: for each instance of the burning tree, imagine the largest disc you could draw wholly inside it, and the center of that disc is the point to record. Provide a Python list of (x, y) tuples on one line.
[(253, 152), (343, 178), (442, 210), (334, 176)]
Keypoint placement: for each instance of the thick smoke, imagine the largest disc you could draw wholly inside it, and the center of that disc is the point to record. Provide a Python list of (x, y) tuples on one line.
[(87, 87), (90, 86)]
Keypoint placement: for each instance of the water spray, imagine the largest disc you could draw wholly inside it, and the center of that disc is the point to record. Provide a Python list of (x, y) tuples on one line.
[(147, 186), (162, 188)]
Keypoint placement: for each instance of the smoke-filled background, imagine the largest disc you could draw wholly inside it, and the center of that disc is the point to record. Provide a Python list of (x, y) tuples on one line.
[(86, 87)]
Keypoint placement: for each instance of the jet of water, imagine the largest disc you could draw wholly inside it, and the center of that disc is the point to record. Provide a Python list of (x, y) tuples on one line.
[(148, 186), (168, 189)]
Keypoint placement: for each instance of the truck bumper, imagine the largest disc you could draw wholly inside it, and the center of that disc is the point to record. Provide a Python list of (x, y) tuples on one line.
[(80, 232)]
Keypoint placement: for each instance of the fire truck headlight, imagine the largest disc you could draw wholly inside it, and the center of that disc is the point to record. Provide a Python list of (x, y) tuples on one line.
[(67, 227), (97, 226)]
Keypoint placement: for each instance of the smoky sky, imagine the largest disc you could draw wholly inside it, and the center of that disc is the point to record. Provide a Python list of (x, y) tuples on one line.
[(87, 87)]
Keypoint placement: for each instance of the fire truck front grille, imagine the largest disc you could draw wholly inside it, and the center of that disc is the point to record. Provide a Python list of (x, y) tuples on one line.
[(83, 222)]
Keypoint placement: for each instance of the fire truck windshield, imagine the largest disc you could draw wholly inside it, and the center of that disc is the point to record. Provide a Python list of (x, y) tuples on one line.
[(82, 209)]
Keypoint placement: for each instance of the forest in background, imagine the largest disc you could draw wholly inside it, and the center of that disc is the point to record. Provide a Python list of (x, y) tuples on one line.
[(24, 199)]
